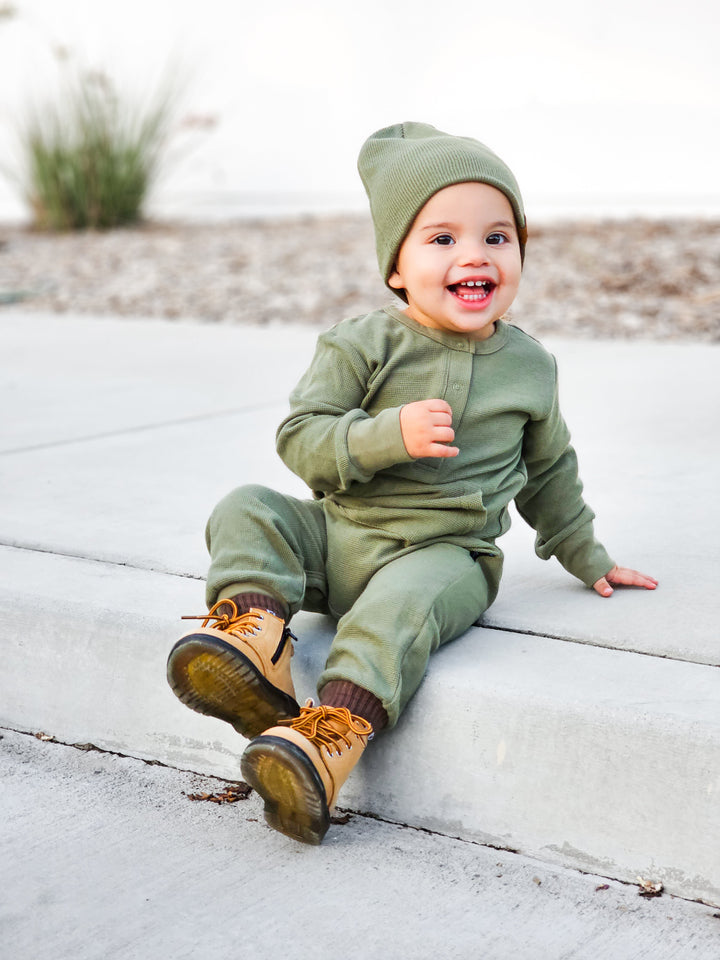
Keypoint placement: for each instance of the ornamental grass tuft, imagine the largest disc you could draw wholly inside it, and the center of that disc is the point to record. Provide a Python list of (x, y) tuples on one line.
[(90, 159)]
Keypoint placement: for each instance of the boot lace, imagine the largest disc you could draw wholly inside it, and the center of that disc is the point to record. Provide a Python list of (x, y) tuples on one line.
[(244, 624), (328, 727)]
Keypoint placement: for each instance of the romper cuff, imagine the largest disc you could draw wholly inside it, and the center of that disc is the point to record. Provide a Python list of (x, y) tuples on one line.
[(583, 556), (375, 443)]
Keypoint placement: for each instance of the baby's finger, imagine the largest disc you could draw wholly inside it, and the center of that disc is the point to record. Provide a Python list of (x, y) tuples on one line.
[(602, 587), (631, 578), (441, 419), (443, 435), (442, 450), (439, 406)]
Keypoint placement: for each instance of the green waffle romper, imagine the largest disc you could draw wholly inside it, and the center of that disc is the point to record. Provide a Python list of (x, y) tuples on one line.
[(401, 551)]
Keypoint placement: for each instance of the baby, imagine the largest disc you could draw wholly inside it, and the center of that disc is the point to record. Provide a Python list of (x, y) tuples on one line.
[(414, 428)]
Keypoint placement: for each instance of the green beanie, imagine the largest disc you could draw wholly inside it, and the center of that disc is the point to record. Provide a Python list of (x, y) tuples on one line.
[(402, 166)]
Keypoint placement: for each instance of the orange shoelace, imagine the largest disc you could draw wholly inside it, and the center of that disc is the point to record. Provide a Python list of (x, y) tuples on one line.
[(246, 624), (328, 727)]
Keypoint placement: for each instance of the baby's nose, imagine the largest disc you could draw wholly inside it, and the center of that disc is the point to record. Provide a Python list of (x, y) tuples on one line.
[(475, 252)]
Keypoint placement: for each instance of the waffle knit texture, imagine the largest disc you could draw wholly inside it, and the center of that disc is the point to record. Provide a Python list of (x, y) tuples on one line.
[(403, 552), (395, 603), (403, 165), (343, 438)]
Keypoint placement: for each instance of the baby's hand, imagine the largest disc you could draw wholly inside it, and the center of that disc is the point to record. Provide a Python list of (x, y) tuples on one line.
[(624, 576), (426, 427)]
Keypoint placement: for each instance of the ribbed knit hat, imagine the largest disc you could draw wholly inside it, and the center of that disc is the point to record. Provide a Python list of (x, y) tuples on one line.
[(402, 166)]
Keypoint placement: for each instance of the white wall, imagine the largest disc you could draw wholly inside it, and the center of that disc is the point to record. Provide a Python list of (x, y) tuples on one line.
[(609, 107)]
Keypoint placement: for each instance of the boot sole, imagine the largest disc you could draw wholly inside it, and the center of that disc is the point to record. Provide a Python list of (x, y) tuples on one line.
[(291, 787), (214, 678)]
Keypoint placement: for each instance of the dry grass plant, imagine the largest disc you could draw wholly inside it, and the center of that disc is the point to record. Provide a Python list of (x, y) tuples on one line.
[(91, 157)]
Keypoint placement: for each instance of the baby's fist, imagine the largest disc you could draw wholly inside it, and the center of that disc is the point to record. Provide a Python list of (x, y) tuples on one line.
[(426, 427)]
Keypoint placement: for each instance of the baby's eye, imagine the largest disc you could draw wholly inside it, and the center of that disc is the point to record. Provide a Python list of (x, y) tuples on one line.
[(497, 238), (443, 240)]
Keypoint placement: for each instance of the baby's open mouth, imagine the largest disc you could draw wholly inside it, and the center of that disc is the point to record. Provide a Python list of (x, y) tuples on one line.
[(472, 289)]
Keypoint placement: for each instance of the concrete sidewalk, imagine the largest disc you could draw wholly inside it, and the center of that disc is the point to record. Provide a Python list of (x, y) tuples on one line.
[(581, 731), (105, 858)]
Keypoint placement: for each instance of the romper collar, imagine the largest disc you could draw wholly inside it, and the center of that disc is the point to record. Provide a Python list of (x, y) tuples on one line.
[(454, 341)]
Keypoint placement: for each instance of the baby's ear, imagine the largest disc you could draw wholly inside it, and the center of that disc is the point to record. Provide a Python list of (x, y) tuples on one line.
[(395, 281)]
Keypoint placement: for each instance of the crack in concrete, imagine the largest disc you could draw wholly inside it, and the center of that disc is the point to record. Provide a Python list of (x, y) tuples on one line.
[(69, 555), (524, 631), (142, 428)]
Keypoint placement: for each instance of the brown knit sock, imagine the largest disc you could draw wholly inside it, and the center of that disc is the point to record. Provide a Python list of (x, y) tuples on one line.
[(342, 693), (246, 601)]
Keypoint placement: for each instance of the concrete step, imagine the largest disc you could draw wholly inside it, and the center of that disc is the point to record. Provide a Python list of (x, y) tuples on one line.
[(582, 731), (599, 759)]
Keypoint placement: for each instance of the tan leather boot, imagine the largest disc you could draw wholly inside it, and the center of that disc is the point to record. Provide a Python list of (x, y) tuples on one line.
[(236, 668), (299, 766)]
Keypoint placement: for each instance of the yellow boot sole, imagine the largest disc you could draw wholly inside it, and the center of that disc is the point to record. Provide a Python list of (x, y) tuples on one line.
[(291, 787), (214, 678)]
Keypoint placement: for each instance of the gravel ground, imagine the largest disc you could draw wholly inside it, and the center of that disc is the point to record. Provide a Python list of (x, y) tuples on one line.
[(652, 279)]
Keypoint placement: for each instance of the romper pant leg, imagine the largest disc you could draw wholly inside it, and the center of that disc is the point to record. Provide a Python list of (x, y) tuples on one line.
[(411, 606), (262, 541)]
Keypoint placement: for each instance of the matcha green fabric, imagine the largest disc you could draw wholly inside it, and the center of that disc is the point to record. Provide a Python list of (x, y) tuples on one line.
[(343, 438), (403, 165), (402, 552), (395, 604)]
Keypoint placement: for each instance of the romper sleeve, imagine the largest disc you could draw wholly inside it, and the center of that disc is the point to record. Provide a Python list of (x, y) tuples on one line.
[(329, 439), (552, 502)]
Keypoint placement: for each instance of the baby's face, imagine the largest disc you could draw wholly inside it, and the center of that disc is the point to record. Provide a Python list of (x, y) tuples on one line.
[(460, 263)]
